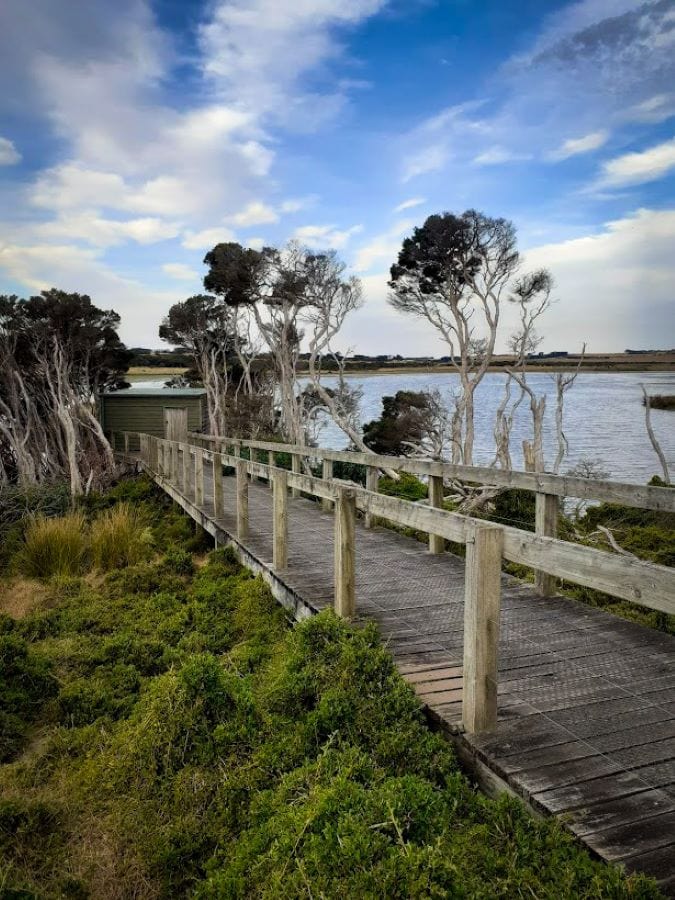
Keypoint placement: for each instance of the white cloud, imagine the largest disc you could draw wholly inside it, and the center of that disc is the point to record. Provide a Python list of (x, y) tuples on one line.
[(255, 213), (324, 237), (614, 287), (9, 155), (71, 268), (409, 204), (638, 168), (255, 243), (575, 146), (181, 272), (208, 238), (429, 159), (256, 51), (383, 248), (652, 110), (71, 185), (93, 228), (497, 155)]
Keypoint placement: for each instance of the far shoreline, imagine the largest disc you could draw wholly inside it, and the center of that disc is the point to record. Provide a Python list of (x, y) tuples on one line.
[(618, 368)]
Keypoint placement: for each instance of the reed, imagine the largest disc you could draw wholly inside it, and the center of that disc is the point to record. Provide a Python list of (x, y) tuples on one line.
[(54, 546)]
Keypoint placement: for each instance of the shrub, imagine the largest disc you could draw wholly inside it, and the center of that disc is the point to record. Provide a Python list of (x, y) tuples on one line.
[(25, 683), (54, 546), (119, 538)]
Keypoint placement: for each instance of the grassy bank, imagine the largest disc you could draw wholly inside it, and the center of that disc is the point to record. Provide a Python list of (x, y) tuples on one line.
[(175, 737)]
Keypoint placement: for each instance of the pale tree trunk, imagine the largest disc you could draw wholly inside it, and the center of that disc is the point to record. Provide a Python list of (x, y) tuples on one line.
[(652, 436)]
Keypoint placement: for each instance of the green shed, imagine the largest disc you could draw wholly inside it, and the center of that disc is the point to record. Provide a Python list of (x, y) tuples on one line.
[(152, 410)]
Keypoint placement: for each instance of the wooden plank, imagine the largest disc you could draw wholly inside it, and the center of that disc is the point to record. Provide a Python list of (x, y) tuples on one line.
[(280, 546), (296, 468), (546, 525), (481, 627), (372, 481), (436, 541), (188, 488), (621, 811), (199, 476), (217, 463), (326, 475), (629, 839), (345, 556), (242, 500)]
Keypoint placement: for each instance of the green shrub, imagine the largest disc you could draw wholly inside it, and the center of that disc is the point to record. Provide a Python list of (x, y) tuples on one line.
[(119, 538), (408, 487), (54, 546), (26, 683)]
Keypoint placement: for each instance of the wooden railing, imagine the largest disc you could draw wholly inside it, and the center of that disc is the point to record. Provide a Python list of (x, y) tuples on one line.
[(487, 544)]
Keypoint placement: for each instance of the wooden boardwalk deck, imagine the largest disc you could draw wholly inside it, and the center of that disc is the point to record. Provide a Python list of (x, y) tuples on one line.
[(586, 724)]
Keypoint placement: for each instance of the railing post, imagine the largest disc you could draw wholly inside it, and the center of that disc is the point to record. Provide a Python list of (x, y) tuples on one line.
[(482, 596), (372, 482), (242, 500), (545, 525), (280, 540), (436, 542), (217, 462), (296, 468), (271, 462), (199, 476), (327, 474), (160, 457), (187, 467), (174, 462), (345, 553)]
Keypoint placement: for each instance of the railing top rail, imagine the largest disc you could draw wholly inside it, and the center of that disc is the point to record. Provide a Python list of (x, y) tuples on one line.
[(626, 494), (645, 583)]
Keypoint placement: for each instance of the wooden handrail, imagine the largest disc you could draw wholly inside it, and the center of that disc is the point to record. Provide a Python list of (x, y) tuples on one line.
[(647, 584), (635, 495), (487, 543)]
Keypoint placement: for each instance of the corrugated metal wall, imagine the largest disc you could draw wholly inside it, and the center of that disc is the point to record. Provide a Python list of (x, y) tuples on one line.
[(146, 414)]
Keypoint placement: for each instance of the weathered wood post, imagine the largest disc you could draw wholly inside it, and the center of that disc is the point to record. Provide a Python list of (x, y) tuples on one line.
[(218, 504), (296, 468), (482, 596), (242, 500), (545, 525), (271, 462), (327, 474), (345, 553), (126, 443), (187, 468), (160, 458), (436, 542), (174, 462), (280, 541), (372, 482), (199, 476)]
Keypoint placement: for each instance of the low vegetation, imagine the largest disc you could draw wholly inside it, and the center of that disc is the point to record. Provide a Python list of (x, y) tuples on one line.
[(167, 734), (661, 401)]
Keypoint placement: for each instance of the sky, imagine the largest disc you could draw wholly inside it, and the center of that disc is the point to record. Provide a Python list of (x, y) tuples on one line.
[(136, 135)]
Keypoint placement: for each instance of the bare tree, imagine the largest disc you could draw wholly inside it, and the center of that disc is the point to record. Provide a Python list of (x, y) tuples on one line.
[(652, 436), (563, 382), (453, 272)]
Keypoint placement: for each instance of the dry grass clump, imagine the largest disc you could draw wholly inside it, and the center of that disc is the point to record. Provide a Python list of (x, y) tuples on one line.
[(54, 546), (119, 537), (21, 596)]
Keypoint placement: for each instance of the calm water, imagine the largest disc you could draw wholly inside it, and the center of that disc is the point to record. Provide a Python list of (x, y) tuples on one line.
[(604, 416)]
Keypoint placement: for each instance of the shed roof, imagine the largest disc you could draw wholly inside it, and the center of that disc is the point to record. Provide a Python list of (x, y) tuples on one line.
[(169, 393)]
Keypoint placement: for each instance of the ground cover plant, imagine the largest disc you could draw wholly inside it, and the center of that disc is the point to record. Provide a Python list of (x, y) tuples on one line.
[(175, 737)]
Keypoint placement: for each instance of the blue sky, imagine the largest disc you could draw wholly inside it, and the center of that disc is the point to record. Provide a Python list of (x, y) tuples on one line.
[(135, 135)]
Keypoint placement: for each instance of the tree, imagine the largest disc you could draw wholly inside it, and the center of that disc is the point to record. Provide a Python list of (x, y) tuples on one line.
[(205, 326), (289, 295), (453, 272), (406, 424), (57, 352)]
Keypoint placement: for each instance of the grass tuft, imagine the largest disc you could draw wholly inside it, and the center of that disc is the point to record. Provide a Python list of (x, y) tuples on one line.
[(54, 546), (119, 538)]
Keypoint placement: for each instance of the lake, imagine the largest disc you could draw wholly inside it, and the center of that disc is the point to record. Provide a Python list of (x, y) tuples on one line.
[(604, 416)]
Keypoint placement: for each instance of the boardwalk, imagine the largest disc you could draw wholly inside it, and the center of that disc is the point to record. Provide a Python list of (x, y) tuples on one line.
[(586, 701)]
